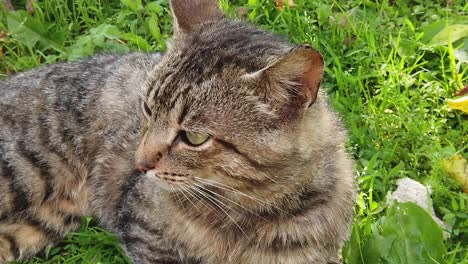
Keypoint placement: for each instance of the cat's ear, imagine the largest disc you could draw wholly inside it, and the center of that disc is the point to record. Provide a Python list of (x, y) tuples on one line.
[(293, 80), (189, 14), (300, 69)]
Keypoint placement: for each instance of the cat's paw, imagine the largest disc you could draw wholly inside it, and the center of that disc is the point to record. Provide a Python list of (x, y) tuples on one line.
[(6, 250)]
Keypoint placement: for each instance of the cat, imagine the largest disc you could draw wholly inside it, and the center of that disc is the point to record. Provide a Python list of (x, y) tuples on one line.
[(222, 150)]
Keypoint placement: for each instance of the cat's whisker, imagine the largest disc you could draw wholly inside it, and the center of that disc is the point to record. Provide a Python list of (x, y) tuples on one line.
[(178, 199), (212, 199), (270, 179), (224, 187), (230, 188), (219, 185), (183, 190), (215, 202), (201, 200), (277, 183), (225, 198)]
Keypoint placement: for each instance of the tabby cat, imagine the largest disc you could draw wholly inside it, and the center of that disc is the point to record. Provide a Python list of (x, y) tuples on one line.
[(223, 150)]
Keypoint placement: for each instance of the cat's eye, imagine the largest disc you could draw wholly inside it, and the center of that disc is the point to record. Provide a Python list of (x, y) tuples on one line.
[(194, 139), (146, 110)]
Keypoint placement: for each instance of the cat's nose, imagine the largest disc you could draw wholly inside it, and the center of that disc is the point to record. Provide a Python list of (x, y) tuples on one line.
[(144, 165)]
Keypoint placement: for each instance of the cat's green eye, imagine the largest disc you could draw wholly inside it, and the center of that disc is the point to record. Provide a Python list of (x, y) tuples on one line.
[(193, 138)]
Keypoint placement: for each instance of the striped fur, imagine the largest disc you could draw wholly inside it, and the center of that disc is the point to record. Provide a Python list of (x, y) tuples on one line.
[(273, 183), (55, 131)]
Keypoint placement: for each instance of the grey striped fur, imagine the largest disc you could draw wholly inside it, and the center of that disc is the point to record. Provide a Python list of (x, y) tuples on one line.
[(273, 184)]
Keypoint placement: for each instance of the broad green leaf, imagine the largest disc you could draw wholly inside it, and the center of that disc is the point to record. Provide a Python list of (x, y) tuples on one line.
[(154, 28), (408, 235), (137, 40), (431, 30), (115, 47), (83, 47), (406, 47), (154, 7), (134, 5), (324, 13), (450, 33), (378, 247), (29, 31), (97, 39), (103, 32), (106, 30)]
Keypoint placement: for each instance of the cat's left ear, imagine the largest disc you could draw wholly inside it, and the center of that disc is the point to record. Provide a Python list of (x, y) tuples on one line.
[(301, 68), (293, 80)]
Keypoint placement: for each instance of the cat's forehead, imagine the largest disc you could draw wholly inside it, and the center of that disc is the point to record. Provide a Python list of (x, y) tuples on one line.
[(192, 85), (224, 44), (205, 71), (218, 53), (218, 104), (215, 94)]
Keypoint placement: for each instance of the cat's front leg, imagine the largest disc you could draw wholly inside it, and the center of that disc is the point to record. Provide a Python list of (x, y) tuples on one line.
[(25, 235), (142, 237), (145, 245), (22, 240), (7, 247)]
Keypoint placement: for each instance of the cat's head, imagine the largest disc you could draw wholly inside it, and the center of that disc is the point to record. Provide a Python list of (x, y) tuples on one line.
[(227, 103)]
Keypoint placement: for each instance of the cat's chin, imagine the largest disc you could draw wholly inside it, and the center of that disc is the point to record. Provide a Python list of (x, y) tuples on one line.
[(170, 183)]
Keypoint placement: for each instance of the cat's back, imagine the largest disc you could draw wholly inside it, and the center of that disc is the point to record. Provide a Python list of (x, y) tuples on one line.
[(64, 94), (86, 74), (65, 109), (56, 123)]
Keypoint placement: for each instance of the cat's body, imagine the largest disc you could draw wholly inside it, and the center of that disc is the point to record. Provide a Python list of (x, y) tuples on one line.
[(61, 126), (236, 167)]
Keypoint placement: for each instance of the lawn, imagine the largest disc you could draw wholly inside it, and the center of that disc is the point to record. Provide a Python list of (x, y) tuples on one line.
[(392, 65)]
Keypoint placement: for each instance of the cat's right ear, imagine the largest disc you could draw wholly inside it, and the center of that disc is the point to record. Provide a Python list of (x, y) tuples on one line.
[(190, 14)]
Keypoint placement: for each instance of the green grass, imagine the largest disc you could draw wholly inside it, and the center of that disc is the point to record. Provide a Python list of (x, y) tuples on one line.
[(388, 76)]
